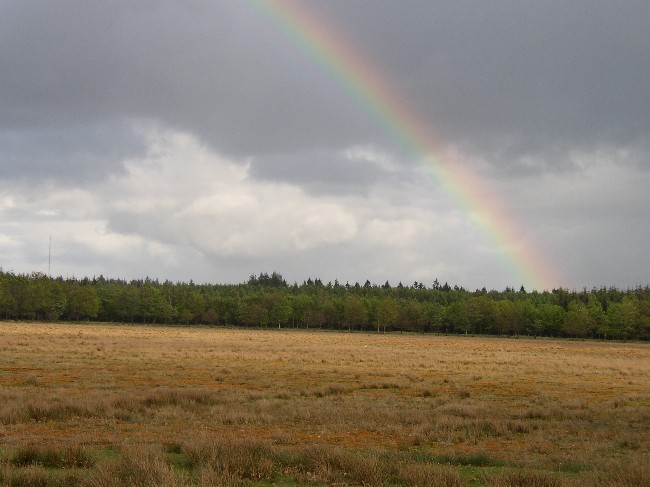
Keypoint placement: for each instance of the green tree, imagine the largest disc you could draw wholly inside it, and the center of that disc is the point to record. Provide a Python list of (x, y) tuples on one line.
[(332, 312), (597, 318), (301, 304), (230, 309), (83, 303), (43, 299), (315, 316), (128, 303), (552, 317), (154, 306), (577, 321), (505, 317), (108, 295), (13, 287), (278, 308), (456, 318), (480, 313), (643, 311), (387, 314), (623, 318), (411, 315), (528, 317), (252, 313), (434, 314), (192, 307), (355, 314)]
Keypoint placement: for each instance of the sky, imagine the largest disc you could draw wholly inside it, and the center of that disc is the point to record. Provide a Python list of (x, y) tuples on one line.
[(484, 144)]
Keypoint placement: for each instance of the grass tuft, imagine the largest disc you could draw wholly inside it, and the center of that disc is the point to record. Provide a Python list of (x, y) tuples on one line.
[(138, 466), (525, 478), (238, 457), (429, 476)]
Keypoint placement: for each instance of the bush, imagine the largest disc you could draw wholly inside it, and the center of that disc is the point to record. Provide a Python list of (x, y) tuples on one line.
[(425, 475)]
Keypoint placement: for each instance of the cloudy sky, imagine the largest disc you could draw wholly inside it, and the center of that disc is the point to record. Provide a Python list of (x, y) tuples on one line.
[(210, 140)]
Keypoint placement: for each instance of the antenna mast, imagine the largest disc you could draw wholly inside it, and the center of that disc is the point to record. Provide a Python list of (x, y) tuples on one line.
[(49, 259)]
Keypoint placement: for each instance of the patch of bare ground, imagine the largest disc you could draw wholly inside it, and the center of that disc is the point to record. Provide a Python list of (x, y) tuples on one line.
[(197, 406)]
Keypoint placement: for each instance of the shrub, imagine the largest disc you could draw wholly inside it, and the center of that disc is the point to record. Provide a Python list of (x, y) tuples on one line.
[(51, 457), (479, 459)]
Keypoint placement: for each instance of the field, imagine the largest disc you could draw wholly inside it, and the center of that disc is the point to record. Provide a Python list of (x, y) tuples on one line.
[(102, 405)]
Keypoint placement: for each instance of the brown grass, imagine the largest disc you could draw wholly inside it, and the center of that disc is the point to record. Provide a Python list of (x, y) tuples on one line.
[(192, 406)]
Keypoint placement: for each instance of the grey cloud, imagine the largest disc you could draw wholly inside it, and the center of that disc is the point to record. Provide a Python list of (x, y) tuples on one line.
[(547, 76), (73, 155), (323, 172), (219, 70)]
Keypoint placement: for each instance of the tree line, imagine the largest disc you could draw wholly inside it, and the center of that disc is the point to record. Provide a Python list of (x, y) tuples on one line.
[(267, 300)]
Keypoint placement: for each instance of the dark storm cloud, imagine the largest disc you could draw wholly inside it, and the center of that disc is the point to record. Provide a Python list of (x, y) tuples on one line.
[(506, 78), (514, 78), (218, 70)]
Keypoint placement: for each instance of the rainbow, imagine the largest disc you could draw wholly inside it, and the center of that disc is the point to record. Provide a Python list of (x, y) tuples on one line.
[(361, 79)]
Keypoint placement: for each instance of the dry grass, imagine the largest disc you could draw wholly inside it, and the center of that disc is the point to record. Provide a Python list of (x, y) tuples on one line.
[(190, 406)]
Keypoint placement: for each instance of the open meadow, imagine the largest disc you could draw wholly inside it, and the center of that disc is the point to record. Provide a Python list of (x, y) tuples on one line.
[(103, 405)]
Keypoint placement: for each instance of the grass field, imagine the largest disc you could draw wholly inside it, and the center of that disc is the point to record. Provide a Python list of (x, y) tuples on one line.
[(101, 405)]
